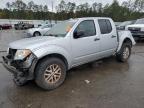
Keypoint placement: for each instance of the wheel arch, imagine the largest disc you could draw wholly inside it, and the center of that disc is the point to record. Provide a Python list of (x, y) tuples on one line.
[(128, 40), (125, 40), (61, 57), (36, 32)]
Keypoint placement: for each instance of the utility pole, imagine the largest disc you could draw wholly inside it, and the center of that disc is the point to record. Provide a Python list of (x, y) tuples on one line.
[(52, 2), (52, 5), (51, 17)]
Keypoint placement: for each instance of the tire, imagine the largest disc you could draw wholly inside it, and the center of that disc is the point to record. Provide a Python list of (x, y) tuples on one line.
[(45, 79), (124, 53), (37, 33)]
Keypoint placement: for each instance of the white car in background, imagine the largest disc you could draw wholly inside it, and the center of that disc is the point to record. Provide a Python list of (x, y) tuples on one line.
[(39, 31), (123, 25), (137, 29)]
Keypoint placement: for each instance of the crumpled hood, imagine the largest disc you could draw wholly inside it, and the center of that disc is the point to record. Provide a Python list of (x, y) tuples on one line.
[(31, 43)]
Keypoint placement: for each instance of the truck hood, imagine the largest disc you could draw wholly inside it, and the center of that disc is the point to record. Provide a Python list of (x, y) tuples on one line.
[(32, 43), (136, 25)]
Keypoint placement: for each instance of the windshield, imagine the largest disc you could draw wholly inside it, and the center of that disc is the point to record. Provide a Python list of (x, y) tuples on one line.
[(140, 21), (61, 29)]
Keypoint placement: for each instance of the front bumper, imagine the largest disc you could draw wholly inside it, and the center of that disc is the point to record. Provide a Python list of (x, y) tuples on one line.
[(10, 68), (138, 34), (29, 34), (19, 68)]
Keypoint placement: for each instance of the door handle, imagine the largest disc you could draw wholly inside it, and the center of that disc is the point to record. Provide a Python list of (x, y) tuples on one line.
[(96, 39), (113, 36)]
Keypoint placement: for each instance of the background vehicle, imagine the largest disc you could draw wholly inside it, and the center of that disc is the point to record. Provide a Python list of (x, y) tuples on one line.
[(137, 29), (39, 30), (117, 23), (123, 25), (23, 26), (44, 23), (71, 43), (5, 26)]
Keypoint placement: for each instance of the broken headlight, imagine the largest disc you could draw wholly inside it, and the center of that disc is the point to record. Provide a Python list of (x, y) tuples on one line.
[(21, 54)]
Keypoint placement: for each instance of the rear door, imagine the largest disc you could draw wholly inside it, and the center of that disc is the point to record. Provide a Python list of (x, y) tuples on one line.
[(108, 37)]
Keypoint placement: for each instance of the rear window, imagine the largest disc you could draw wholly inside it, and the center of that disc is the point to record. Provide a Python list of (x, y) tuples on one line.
[(105, 26)]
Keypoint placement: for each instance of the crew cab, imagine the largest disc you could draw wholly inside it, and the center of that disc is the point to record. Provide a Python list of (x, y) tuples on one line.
[(137, 29), (46, 59)]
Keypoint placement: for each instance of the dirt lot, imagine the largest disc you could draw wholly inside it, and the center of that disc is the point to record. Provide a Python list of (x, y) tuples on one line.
[(112, 84)]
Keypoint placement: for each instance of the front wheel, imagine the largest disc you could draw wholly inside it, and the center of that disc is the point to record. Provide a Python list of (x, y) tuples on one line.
[(124, 53), (50, 73)]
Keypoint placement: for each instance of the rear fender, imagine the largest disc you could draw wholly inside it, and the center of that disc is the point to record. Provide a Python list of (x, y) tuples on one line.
[(123, 35)]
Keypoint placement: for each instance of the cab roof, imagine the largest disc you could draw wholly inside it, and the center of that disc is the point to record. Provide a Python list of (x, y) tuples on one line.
[(84, 18)]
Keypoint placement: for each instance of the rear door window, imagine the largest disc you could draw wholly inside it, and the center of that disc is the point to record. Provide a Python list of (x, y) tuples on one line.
[(105, 26)]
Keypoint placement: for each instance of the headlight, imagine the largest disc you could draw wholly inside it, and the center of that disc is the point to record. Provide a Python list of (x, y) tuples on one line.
[(21, 54)]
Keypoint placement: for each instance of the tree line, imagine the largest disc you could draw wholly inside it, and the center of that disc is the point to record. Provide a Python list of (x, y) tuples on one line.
[(128, 10)]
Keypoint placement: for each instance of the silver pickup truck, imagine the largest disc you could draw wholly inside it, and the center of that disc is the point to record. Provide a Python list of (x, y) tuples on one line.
[(71, 43)]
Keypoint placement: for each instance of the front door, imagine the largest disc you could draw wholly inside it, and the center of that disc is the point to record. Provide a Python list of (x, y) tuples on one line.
[(86, 47)]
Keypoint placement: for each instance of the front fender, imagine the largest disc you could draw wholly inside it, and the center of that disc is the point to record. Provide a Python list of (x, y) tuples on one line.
[(53, 49), (124, 35)]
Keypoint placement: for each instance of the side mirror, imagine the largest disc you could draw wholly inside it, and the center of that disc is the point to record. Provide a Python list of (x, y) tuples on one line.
[(78, 34)]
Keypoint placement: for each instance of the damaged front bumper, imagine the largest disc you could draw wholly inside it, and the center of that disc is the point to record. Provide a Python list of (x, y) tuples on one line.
[(21, 69)]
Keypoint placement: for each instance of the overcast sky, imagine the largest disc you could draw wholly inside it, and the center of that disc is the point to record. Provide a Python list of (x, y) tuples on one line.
[(48, 2)]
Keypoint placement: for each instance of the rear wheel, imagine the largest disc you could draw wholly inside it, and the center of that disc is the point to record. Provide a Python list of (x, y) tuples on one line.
[(124, 53), (50, 73)]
